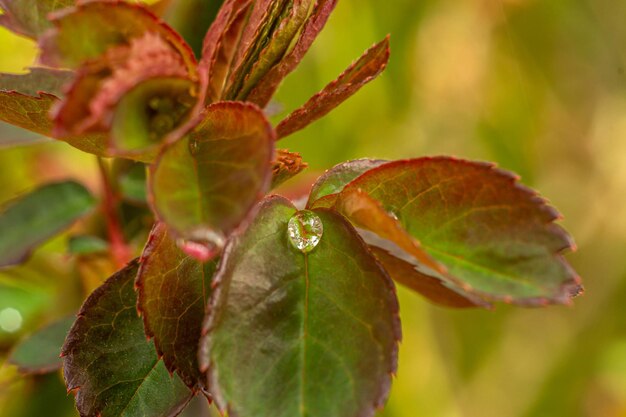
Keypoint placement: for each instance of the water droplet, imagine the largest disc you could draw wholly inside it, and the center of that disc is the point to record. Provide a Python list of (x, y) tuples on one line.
[(203, 249), (194, 147), (10, 320), (305, 230)]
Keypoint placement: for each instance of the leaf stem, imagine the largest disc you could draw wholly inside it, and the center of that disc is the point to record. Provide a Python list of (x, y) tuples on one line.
[(120, 251)]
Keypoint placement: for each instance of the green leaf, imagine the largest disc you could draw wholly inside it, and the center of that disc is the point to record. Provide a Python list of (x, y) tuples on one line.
[(192, 18), (88, 30), (173, 291), (33, 218), (425, 275), (39, 353), (495, 237), (150, 111), (113, 369), (283, 325), (206, 184), (30, 17), (361, 72), (87, 245), (336, 178), (131, 180), (26, 101), (37, 80), (286, 166), (265, 88)]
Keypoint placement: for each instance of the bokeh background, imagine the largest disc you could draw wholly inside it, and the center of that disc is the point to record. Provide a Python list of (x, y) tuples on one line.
[(536, 85)]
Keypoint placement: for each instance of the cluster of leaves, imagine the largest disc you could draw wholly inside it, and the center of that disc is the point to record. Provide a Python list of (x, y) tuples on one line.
[(235, 302)]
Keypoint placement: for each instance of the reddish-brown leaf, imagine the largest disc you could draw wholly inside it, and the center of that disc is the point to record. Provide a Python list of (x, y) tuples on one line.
[(221, 44), (173, 290), (88, 30), (496, 237), (364, 70), (286, 165), (366, 213), (204, 185), (265, 88)]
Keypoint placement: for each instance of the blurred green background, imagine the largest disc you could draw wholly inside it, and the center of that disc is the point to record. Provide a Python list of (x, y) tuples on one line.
[(537, 86)]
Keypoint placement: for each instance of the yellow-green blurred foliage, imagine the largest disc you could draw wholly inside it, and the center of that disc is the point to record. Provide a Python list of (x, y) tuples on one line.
[(537, 86)]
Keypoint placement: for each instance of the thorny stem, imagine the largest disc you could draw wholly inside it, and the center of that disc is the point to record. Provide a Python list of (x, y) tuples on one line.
[(120, 251)]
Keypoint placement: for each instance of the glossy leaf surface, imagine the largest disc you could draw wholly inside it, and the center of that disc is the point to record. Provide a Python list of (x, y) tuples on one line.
[(30, 17), (113, 369), (335, 179), (40, 352), (86, 31), (33, 218), (366, 213), (173, 291), (283, 324), (496, 237), (361, 72), (207, 183)]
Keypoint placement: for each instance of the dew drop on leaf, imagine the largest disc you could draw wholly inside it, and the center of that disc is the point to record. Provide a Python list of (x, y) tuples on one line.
[(305, 230), (193, 147)]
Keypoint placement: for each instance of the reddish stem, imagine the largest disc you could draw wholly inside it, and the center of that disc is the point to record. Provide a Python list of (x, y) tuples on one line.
[(120, 251)]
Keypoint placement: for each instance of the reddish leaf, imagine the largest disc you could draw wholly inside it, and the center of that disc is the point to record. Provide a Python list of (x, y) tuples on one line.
[(325, 189), (283, 324), (87, 31), (108, 363), (266, 87), (36, 81), (364, 70), (286, 166), (437, 290), (367, 213), (30, 17), (173, 291), (22, 105), (206, 184), (282, 24), (495, 237), (220, 45), (102, 83)]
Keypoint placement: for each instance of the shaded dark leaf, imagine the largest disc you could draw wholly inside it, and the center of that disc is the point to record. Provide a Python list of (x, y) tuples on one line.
[(173, 291), (33, 218), (108, 363), (283, 324)]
